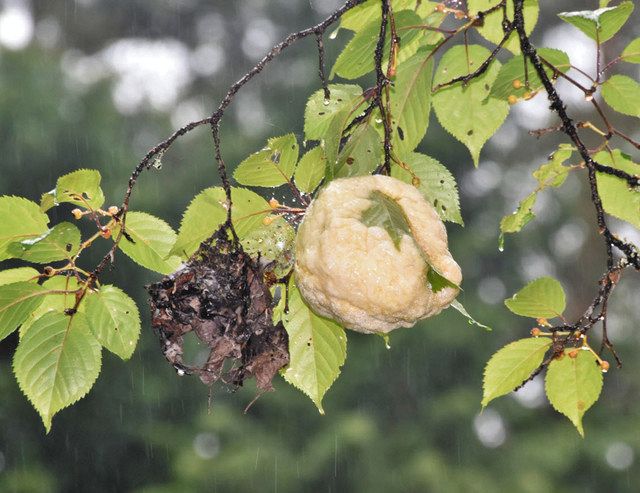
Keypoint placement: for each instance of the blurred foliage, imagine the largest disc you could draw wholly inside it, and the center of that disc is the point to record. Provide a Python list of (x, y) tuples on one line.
[(403, 419)]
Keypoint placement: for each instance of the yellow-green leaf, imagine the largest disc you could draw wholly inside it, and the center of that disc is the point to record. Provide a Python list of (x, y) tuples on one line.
[(573, 385), (18, 274), (56, 363), (20, 219), (542, 298), (17, 301), (319, 112), (310, 170), (512, 365), (271, 166), (59, 243), (622, 93), (617, 198), (601, 24), (81, 187)]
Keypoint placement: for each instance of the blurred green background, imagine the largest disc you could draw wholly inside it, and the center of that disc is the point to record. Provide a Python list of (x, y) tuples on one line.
[(91, 83)]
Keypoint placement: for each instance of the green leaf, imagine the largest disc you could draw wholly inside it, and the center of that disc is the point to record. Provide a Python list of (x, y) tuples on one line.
[(310, 170), (360, 16), (17, 301), (332, 140), (602, 24), (456, 305), (512, 79), (384, 212), (411, 101), (271, 166), (437, 281), (274, 245), (435, 182), (362, 153), (512, 365), (542, 298), (573, 385), (617, 198), (17, 275), (356, 59), (317, 349), (631, 53), (20, 219), (114, 320), (491, 28), (152, 242), (81, 187), (550, 174), (319, 111), (54, 302), (207, 211), (467, 112), (56, 363), (622, 93), (59, 243)]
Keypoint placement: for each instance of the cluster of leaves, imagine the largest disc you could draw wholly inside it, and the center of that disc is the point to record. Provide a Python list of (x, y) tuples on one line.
[(65, 315)]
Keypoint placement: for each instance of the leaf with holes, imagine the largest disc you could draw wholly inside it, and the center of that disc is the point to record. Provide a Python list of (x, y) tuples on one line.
[(148, 242), (56, 363), (617, 198), (317, 349), (272, 166), (362, 153), (411, 101), (18, 274), (602, 24), (114, 320), (17, 301), (207, 211), (20, 220), (512, 365), (310, 170), (319, 112), (356, 59), (435, 182), (81, 187), (512, 78), (59, 243), (542, 298), (622, 93), (467, 112), (573, 385), (491, 27)]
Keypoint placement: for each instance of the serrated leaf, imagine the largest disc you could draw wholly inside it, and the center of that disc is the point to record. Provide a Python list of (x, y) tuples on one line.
[(272, 166), (467, 112), (361, 154), (411, 101), (150, 242), (631, 53), (114, 320), (617, 198), (512, 365), (358, 17), (602, 24), (573, 385), (456, 305), (542, 298), (81, 187), (512, 79), (274, 245), (56, 363), (59, 243), (436, 183), (20, 219), (356, 59), (17, 301), (317, 349), (622, 93), (55, 300), (18, 274), (384, 212), (491, 28), (207, 211), (310, 170), (514, 222), (319, 112)]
